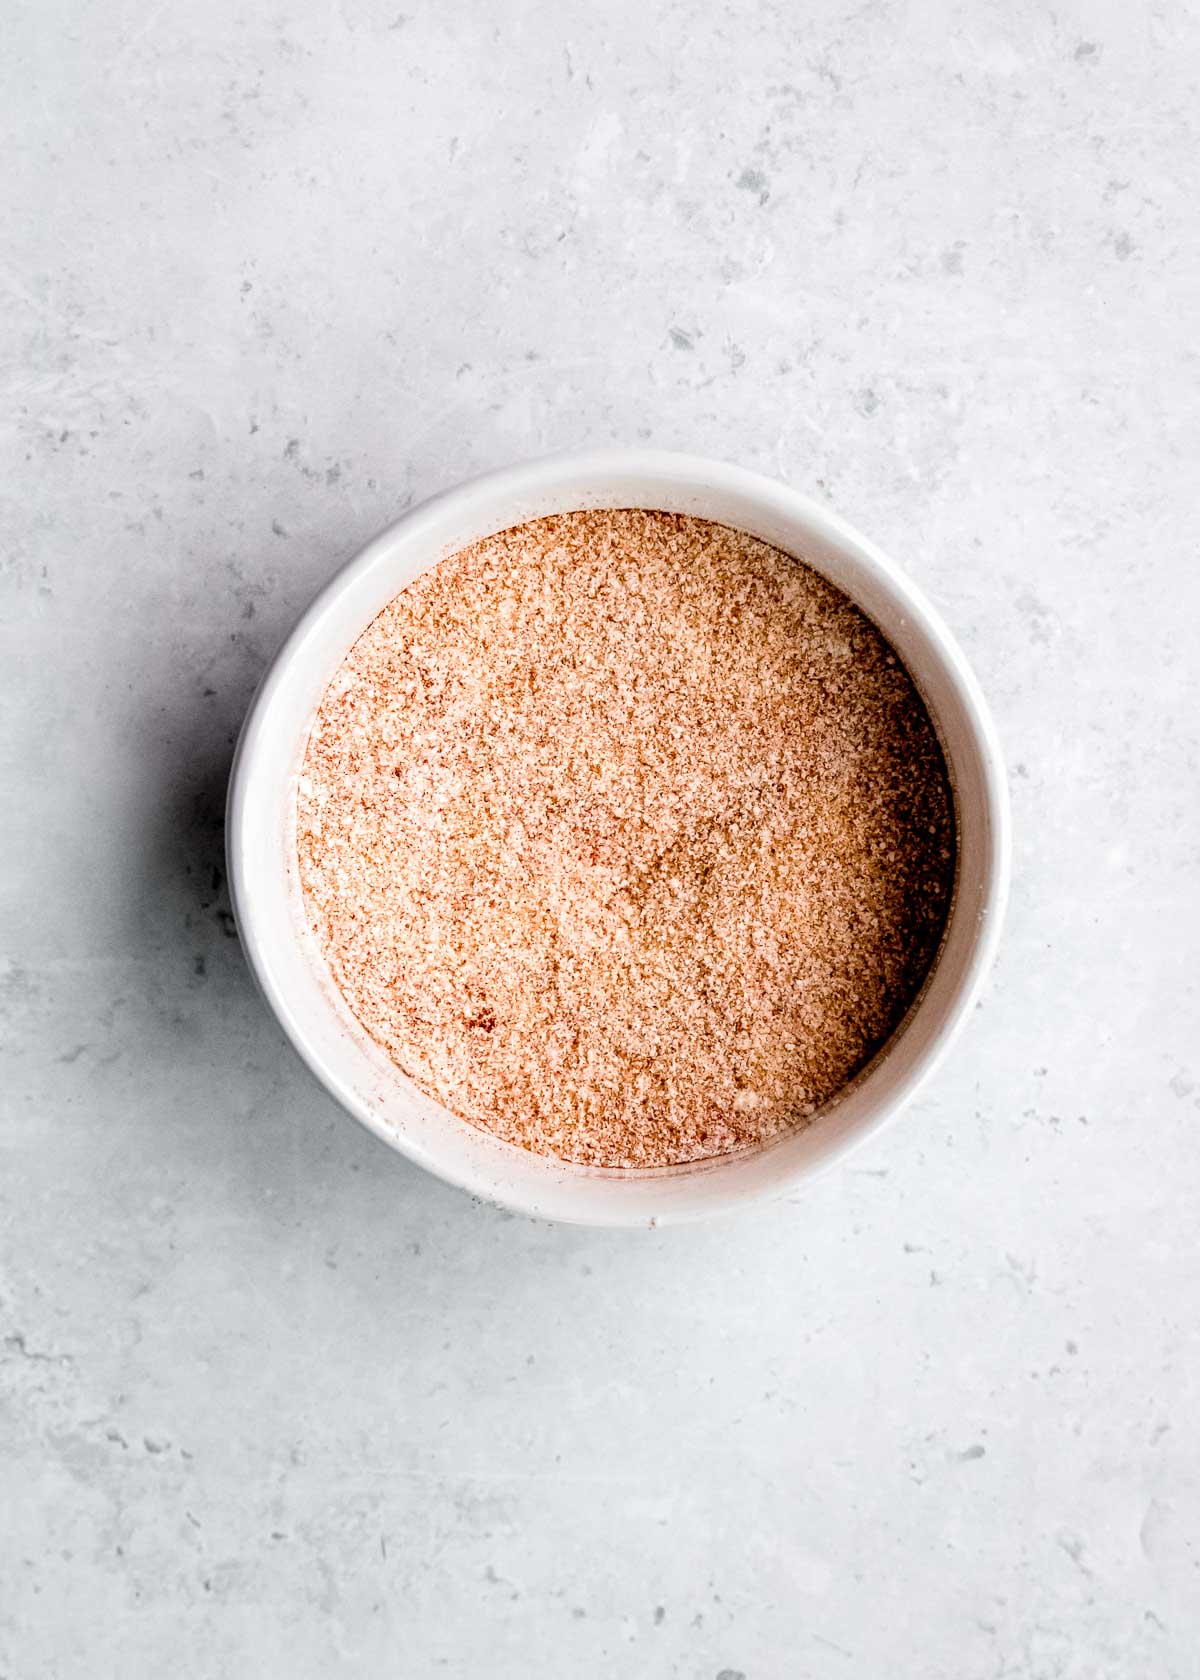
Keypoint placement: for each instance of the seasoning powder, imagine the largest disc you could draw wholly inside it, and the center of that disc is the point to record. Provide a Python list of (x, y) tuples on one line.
[(627, 836)]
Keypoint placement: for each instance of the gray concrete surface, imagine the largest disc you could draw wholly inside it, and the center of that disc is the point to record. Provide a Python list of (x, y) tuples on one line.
[(275, 1403)]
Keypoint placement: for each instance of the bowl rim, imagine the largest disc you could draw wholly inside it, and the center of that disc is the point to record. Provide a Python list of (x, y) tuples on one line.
[(255, 747)]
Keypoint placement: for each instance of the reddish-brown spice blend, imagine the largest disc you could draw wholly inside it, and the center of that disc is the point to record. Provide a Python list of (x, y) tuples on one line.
[(627, 836)]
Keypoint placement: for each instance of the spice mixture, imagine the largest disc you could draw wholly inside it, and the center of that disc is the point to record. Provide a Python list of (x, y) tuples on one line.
[(627, 836)]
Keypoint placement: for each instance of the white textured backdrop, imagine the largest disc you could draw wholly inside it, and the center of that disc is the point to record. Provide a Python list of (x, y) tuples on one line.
[(275, 1403)]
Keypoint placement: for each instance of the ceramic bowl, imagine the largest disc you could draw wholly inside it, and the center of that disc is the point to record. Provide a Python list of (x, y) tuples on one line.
[(293, 976)]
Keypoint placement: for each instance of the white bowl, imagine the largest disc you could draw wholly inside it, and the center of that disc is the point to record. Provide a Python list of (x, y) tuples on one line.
[(293, 976)]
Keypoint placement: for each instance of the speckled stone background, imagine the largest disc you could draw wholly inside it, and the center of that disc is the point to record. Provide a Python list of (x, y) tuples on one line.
[(277, 1404)]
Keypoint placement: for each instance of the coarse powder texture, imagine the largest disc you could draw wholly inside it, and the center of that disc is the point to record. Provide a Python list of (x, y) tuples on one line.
[(627, 836)]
